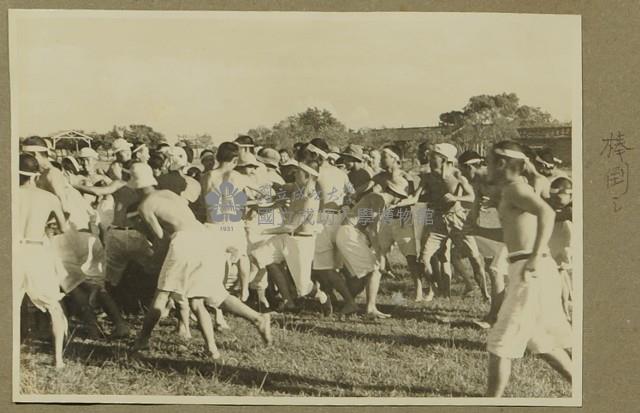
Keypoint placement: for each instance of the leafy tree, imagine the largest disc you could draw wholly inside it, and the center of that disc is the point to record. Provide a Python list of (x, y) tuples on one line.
[(203, 140), (490, 118), (302, 127)]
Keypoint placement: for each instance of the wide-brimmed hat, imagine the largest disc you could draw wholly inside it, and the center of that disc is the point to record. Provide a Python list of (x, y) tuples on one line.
[(248, 159), (354, 152), (269, 156), (141, 176), (120, 145), (177, 158), (87, 152), (447, 150)]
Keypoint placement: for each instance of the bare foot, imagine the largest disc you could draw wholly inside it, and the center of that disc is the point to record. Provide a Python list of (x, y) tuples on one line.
[(264, 302), (264, 327), (213, 353), (140, 344), (377, 314), (121, 331), (348, 308), (221, 323), (244, 295), (184, 332)]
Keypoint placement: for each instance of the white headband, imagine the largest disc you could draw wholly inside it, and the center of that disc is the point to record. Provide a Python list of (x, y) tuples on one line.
[(545, 163), (392, 154), (473, 161), (139, 147), (312, 148), (34, 148), (557, 191), (29, 173), (510, 153)]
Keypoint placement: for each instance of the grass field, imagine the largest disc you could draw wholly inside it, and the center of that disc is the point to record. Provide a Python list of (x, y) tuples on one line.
[(425, 350)]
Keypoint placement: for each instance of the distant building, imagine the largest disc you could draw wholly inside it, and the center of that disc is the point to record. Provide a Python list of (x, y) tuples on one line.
[(558, 138)]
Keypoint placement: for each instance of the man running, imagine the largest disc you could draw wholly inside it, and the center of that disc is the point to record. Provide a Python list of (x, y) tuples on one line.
[(531, 315), (191, 268)]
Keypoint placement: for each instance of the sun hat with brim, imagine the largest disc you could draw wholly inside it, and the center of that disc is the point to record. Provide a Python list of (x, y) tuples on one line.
[(248, 159), (87, 152), (289, 162), (303, 166), (447, 150), (141, 176), (120, 145), (177, 158), (354, 152), (269, 156)]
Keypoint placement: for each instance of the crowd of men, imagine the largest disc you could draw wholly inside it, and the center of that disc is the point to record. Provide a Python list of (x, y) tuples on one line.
[(251, 230)]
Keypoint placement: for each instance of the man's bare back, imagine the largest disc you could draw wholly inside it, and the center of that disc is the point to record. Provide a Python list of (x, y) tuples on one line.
[(332, 184), (212, 180), (164, 210), (35, 207)]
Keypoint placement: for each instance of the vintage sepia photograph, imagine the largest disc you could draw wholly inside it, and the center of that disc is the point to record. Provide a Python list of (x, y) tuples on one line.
[(296, 207)]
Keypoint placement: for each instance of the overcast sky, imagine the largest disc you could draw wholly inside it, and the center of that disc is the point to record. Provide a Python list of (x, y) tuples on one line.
[(223, 73)]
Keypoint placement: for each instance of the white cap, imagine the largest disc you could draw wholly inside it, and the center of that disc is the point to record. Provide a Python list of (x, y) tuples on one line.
[(177, 158), (120, 145), (447, 150), (141, 176), (87, 152)]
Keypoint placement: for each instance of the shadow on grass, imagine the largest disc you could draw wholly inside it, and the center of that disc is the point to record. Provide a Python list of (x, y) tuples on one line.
[(272, 381), (399, 339)]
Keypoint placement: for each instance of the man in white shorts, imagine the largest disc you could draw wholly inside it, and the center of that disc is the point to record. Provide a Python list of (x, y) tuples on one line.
[(333, 188), (531, 316), (192, 268), (357, 241), (79, 249), (396, 226), (224, 197), (293, 242), (38, 268)]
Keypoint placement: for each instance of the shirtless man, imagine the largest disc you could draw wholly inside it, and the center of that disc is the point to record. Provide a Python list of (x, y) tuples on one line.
[(79, 249), (531, 315), (357, 241), (293, 242), (35, 257), (397, 225), (228, 228), (333, 188), (191, 269), (446, 189), (124, 240)]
